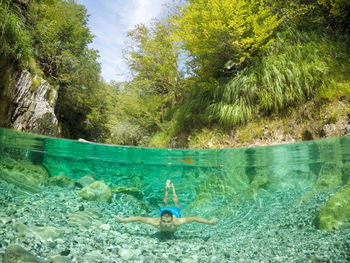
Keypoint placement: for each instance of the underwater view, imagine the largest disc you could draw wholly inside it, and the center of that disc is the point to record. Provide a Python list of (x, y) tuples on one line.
[(59, 200)]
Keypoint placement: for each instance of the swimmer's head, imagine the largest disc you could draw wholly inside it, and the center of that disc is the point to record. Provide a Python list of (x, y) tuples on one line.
[(166, 218)]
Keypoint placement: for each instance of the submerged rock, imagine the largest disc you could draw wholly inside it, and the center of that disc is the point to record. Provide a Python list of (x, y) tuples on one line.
[(257, 183), (42, 233), (97, 191), (85, 180), (221, 184), (23, 174), (61, 181), (58, 259), (17, 254), (331, 175), (127, 254), (129, 190), (336, 211), (84, 219)]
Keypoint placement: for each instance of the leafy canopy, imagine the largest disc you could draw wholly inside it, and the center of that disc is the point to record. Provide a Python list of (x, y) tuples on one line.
[(156, 81), (153, 61), (222, 34), (15, 40), (61, 35)]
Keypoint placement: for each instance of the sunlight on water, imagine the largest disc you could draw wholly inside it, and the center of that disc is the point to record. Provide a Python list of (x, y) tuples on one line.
[(260, 194)]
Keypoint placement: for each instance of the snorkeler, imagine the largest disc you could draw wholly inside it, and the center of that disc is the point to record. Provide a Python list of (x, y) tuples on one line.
[(169, 217)]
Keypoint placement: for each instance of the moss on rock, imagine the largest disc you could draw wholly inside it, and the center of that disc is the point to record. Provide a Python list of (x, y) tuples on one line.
[(336, 211), (221, 185), (257, 183), (329, 177)]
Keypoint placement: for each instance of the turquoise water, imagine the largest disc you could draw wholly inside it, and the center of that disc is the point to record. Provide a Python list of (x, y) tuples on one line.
[(266, 199)]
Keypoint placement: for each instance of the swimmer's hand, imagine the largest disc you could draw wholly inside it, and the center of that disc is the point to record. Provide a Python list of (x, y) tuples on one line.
[(167, 184), (119, 219), (213, 221)]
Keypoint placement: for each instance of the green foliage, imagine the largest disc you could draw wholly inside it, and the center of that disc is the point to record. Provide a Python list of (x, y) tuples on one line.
[(327, 14), (126, 133), (159, 140), (341, 92), (61, 36), (35, 83), (206, 139), (132, 118), (140, 109), (153, 61), (340, 9), (236, 70), (192, 113), (147, 102), (14, 38), (222, 34), (52, 36), (292, 9), (250, 132), (84, 111), (296, 66)]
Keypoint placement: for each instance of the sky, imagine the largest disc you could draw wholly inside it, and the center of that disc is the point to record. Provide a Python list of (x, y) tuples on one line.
[(109, 21)]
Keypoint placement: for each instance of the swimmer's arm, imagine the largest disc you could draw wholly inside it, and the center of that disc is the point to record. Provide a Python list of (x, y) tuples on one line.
[(147, 220), (187, 220)]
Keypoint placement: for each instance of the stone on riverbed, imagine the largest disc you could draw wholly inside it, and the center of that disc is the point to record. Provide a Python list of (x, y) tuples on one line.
[(129, 190), (17, 254), (23, 174), (61, 181), (85, 180), (97, 191)]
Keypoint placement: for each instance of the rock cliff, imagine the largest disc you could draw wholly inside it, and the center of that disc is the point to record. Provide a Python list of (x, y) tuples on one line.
[(27, 104)]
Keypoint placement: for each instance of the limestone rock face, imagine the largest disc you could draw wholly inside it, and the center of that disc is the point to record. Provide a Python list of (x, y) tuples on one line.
[(27, 104), (97, 191), (34, 106)]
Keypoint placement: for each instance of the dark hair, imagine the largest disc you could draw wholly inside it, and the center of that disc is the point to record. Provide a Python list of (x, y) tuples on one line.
[(166, 212)]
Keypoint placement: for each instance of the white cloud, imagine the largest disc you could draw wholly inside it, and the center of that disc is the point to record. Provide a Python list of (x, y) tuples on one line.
[(145, 11), (110, 21)]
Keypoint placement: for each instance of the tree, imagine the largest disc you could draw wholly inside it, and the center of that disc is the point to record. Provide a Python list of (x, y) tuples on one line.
[(220, 35), (339, 11), (15, 40), (153, 60), (61, 35)]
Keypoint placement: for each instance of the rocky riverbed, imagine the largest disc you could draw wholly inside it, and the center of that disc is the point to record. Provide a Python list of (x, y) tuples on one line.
[(57, 225)]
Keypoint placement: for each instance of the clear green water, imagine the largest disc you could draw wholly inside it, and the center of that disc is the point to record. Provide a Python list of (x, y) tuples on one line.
[(234, 185)]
